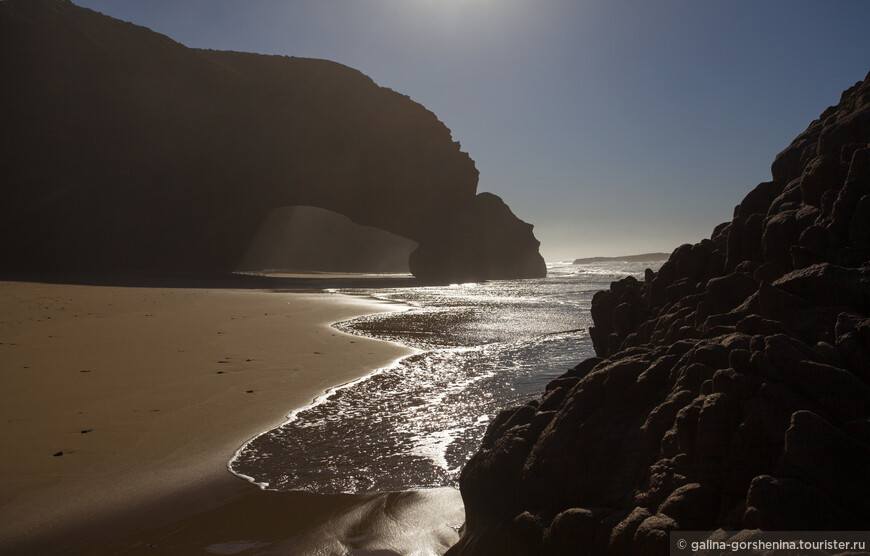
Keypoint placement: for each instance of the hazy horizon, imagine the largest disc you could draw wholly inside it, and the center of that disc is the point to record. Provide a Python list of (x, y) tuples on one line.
[(614, 128)]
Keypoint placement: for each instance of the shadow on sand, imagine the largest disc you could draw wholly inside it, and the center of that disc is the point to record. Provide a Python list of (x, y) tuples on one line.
[(250, 281)]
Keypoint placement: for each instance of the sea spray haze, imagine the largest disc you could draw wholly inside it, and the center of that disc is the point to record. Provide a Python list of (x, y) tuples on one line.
[(482, 347)]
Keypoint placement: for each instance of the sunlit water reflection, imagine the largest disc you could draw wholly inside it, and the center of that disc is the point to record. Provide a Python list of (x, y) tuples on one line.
[(483, 347)]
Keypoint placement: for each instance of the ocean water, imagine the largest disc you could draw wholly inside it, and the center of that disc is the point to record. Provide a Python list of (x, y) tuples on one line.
[(481, 348)]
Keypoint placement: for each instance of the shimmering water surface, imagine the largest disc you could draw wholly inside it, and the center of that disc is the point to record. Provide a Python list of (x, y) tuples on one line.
[(482, 348)]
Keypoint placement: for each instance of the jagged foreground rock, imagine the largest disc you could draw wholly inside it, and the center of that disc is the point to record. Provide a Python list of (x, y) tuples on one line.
[(124, 150), (731, 388)]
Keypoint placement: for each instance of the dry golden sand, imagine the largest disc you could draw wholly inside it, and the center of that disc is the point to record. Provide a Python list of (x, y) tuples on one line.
[(147, 393)]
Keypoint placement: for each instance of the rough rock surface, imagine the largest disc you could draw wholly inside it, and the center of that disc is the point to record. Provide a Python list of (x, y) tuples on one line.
[(731, 388), (124, 150)]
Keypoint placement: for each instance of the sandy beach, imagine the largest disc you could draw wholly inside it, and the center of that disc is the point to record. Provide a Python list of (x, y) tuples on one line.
[(121, 407)]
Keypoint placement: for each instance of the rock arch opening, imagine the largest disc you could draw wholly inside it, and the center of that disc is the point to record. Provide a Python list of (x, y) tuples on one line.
[(310, 239)]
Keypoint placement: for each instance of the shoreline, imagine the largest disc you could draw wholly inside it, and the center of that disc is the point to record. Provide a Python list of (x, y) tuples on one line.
[(110, 481), (319, 399)]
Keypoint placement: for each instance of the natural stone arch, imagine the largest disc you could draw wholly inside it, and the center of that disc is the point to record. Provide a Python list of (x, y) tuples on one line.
[(128, 151)]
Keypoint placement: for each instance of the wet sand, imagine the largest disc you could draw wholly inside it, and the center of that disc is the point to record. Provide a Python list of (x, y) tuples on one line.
[(122, 405), (421, 522)]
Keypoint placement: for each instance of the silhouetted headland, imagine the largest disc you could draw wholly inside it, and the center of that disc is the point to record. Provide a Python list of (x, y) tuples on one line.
[(731, 388), (124, 150)]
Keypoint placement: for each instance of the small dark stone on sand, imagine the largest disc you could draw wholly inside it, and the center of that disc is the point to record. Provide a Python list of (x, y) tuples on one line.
[(58, 454), (223, 361), (85, 371), (86, 431), (220, 372), (249, 391)]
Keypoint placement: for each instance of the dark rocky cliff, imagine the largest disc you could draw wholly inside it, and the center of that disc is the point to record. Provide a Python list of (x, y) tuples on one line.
[(731, 388), (123, 150)]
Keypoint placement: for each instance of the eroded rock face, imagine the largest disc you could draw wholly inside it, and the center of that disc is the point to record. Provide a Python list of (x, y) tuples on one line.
[(480, 240), (731, 388), (124, 150)]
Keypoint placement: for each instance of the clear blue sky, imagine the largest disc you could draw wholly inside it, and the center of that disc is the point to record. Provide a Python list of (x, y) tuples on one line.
[(615, 127)]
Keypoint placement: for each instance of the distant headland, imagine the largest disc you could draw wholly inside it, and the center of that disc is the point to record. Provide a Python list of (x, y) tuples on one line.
[(627, 258), (125, 150)]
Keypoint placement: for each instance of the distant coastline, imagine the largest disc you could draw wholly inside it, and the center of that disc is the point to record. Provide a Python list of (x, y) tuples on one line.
[(626, 258)]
